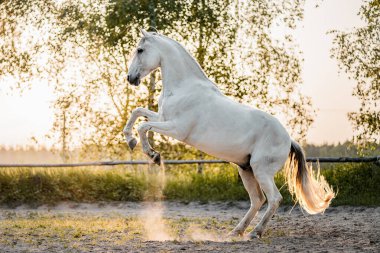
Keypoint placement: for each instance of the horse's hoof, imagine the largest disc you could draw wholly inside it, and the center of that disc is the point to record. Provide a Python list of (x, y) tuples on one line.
[(156, 158), (235, 233), (255, 235), (132, 143)]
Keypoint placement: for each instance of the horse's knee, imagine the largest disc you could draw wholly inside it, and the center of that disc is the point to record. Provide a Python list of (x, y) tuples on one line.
[(276, 200), (261, 199), (127, 130), (137, 111), (258, 201), (142, 128)]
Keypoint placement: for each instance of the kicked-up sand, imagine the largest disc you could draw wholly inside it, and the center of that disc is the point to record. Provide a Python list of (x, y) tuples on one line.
[(183, 227)]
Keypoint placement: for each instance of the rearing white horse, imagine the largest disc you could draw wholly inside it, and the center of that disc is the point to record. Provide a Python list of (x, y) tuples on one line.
[(193, 110)]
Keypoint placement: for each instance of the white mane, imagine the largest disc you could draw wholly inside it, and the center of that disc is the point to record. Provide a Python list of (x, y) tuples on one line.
[(186, 56)]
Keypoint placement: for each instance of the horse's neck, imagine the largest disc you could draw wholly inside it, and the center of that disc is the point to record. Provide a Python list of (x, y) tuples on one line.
[(177, 66)]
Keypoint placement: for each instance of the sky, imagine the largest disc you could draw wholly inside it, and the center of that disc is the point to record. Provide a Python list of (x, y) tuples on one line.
[(28, 115), (331, 91)]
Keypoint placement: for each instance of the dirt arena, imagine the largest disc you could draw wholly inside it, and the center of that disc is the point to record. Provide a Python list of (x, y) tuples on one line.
[(183, 227)]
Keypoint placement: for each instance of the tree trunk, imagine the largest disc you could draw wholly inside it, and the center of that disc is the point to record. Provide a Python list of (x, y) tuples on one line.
[(152, 80), (151, 105)]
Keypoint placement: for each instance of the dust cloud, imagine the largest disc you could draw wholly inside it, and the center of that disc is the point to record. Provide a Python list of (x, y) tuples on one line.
[(155, 227)]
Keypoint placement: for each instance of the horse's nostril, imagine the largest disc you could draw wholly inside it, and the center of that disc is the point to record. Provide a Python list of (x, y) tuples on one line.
[(128, 78)]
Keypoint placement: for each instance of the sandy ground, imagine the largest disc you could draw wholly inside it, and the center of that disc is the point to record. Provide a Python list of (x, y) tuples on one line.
[(183, 227)]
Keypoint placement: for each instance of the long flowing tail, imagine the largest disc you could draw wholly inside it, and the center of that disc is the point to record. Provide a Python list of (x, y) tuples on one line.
[(312, 192)]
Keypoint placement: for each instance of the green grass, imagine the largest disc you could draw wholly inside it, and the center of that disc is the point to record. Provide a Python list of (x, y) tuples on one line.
[(215, 183), (357, 184), (48, 186)]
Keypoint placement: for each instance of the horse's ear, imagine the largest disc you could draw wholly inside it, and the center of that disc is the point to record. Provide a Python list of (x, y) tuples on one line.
[(144, 33)]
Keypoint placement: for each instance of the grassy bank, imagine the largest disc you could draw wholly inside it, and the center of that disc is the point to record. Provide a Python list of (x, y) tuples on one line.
[(357, 184), (40, 186)]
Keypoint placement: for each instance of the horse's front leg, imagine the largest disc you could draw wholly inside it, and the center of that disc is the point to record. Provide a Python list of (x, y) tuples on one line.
[(138, 112), (166, 128)]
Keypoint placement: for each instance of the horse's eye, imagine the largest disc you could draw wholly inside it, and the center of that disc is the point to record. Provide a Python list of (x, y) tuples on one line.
[(140, 50)]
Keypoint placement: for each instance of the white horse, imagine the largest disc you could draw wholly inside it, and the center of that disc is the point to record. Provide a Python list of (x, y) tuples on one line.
[(193, 110)]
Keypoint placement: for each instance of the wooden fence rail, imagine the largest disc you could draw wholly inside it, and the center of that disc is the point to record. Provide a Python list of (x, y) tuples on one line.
[(372, 159)]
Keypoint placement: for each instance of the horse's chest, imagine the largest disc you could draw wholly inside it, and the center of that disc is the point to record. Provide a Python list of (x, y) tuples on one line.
[(170, 106)]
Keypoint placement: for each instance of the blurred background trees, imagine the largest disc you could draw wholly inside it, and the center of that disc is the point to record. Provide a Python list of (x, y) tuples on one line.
[(83, 47), (358, 54)]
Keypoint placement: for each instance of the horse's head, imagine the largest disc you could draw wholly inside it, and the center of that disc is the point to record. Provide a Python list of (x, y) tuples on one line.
[(145, 60)]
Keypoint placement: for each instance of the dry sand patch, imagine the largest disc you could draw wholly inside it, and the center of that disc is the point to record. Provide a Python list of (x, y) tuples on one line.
[(188, 227)]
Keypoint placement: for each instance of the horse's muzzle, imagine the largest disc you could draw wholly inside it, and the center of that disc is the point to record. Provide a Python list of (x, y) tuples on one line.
[(134, 80)]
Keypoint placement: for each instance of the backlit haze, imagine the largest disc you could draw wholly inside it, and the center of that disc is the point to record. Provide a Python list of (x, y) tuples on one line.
[(30, 115)]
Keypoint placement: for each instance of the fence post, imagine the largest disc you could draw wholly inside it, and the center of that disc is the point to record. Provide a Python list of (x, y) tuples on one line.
[(200, 168)]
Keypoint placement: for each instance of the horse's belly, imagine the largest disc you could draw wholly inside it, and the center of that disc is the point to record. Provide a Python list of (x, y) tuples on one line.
[(223, 146), (229, 155), (233, 139)]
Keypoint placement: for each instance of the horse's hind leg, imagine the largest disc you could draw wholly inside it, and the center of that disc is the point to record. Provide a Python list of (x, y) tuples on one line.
[(257, 200), (264, 174)]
